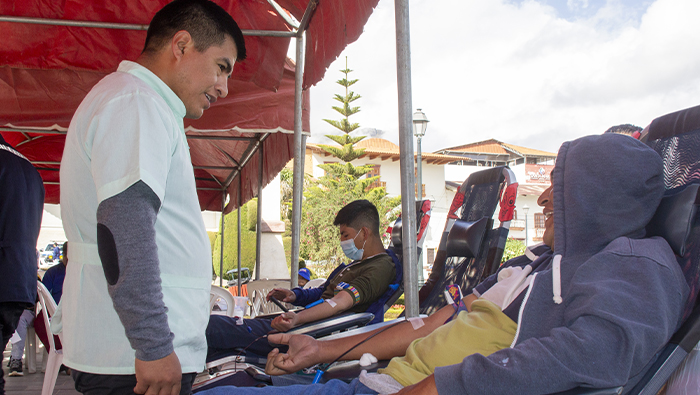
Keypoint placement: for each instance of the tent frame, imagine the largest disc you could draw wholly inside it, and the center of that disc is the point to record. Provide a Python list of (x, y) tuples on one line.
[(403, 64)]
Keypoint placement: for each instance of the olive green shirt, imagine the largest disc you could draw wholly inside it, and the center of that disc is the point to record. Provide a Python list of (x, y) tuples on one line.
[(366, 281)]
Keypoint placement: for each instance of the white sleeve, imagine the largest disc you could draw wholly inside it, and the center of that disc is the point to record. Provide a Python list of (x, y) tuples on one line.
[(131, 141)]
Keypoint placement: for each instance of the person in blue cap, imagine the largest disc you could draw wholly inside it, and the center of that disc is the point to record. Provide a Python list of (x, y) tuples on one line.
[(304, 276)]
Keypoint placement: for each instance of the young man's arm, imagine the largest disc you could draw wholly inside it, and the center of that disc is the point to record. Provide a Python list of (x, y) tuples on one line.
[(304, 351), (366, 288), (339, 303)]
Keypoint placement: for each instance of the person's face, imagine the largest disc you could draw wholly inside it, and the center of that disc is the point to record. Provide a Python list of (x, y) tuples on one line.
[(301, 281), (348, 233), (203, 76), (547, 202)]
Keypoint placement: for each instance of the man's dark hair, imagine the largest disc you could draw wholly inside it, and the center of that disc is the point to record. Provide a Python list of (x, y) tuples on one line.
[(207, 23), (65, 249), (358, 214), (626, 128)]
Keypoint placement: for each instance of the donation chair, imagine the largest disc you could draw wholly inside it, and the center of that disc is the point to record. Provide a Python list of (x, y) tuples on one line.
[(470, 247)]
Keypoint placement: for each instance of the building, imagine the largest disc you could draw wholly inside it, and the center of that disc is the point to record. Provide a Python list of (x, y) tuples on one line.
[(532, 170)]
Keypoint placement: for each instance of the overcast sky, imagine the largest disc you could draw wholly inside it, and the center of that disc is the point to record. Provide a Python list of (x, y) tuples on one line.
[(530, 73)]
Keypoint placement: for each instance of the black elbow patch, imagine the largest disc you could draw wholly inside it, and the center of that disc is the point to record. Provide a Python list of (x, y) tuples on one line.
[(107, 249)]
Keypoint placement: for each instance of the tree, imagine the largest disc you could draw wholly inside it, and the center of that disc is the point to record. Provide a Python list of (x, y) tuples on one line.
[(341, 184)]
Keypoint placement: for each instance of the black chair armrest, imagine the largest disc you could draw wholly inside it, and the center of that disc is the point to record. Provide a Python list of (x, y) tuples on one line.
[(333, 324)]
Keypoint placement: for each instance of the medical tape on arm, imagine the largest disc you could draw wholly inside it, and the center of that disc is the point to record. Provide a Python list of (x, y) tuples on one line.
[(416, 323), (331, 302)]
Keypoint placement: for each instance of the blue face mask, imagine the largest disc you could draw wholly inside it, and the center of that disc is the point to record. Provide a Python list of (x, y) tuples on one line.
[(351, 250)]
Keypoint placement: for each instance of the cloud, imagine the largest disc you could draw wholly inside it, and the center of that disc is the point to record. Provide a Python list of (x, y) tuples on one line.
[(521, 73)]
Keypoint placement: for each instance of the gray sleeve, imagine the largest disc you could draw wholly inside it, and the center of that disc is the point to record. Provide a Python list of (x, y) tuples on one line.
[(127, 247)]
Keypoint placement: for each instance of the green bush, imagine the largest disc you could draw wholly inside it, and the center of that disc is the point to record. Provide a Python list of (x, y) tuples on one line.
[(248, 240), (513, 248), (231, 243), (252, 214)]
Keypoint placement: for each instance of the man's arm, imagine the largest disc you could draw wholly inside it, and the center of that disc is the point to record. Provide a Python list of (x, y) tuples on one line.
[(304, 351), (129, 255), (339, 303)]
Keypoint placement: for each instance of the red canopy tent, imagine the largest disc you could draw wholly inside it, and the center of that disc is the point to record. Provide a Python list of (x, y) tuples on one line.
[(55, 52)]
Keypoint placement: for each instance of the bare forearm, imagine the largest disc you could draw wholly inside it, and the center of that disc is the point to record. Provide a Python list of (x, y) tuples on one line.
[(341, 302), (390, 343)]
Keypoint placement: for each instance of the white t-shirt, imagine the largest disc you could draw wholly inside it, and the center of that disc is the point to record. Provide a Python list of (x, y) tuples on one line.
[(129, 128)]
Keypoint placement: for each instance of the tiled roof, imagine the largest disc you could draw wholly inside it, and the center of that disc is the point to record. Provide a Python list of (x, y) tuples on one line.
[(386, 150), (494, 146)]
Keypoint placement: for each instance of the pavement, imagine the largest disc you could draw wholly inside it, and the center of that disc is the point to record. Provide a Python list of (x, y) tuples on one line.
[(31, 383)]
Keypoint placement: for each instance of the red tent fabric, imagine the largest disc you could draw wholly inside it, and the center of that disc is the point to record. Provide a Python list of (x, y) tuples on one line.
[(46, 70)]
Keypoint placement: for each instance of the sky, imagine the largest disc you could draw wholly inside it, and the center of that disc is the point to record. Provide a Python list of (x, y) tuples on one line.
[(525, 72)]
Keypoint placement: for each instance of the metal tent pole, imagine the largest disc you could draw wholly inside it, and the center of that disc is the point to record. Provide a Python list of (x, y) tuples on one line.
[(221, 256), (408, 200), (299, 151), (240, 203), (258, 230)]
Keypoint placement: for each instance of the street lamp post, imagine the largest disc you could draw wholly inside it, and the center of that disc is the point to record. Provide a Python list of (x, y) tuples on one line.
[(526, 209), (420, 124)]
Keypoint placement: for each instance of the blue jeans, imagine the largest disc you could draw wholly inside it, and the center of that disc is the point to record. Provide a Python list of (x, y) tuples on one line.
[(333, 387), (223, 336)]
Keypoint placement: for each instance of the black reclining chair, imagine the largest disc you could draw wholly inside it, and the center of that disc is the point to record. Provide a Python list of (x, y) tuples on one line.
[(470, 248)]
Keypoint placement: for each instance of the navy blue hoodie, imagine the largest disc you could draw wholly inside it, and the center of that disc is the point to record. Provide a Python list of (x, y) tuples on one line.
[(621, 295)]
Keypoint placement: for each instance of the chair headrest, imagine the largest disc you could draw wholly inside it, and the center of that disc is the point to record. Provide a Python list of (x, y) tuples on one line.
[(396, 234), (675, 216), (464, 239)]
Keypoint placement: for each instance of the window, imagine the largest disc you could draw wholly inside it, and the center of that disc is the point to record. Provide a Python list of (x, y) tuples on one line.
[(431, 256), (539, 221), (374, 173)]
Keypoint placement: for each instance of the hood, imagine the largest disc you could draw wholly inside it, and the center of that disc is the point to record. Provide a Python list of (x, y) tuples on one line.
[(605, 186)]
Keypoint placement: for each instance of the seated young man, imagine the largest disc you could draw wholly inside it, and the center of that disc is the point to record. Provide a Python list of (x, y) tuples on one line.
[(593, 312), (354, 287)]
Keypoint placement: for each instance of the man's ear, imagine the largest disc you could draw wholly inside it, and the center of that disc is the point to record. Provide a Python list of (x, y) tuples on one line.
[(181, 42)]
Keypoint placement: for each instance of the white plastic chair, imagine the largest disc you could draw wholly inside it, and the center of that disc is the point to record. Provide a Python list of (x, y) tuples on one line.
[(218, 293), (48, 308), (317, 282)]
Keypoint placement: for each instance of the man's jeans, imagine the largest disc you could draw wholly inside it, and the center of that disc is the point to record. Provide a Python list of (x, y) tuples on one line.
[(333, 387), (223, 335)]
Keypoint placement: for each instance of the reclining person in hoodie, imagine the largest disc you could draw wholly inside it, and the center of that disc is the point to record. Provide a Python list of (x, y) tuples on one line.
[(592, 311)]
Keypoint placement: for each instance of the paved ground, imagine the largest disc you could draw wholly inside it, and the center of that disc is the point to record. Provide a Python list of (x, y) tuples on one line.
[(30, 384)]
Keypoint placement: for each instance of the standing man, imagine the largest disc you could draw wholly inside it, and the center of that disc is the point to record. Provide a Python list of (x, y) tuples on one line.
[(136, 296), (21, 207), (56, 253)]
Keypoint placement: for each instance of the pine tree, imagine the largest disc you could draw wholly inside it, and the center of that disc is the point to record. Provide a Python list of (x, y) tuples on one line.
[(341, 184)]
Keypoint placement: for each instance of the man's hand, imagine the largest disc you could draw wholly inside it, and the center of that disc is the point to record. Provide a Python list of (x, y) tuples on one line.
[(424, 387), (285, 322), (283, 295), (303, 352), (160, 377)]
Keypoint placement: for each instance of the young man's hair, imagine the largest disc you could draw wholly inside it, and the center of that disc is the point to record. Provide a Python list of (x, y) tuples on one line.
[(207, 23), (626, 128), (358, 214)]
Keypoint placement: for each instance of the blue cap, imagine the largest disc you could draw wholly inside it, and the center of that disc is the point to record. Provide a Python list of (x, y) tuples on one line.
[(305, 273)]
